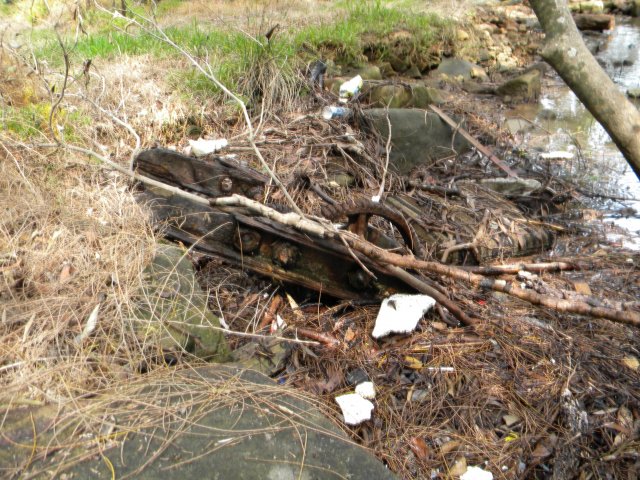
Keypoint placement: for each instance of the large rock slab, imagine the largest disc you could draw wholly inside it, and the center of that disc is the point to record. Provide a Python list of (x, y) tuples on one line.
[(214, 422), (417, 136)]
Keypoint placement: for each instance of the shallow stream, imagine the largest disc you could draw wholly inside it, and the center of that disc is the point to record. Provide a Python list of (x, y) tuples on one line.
[(560, 123)]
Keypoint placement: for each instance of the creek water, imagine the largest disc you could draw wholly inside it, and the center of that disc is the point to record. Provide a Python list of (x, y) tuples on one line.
[(559, 122)]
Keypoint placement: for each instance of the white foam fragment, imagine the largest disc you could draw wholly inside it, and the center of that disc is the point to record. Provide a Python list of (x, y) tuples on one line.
[(202, 147), (366, 390), (355, 409), (560, 155), (401, 313), (476, 473)]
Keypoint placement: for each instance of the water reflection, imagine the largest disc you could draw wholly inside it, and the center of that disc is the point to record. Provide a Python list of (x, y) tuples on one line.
[(563, 124)]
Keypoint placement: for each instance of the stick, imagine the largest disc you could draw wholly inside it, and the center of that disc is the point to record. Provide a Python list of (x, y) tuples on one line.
[(484, 150)]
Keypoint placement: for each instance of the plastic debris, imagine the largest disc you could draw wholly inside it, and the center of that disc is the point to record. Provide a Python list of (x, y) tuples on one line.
[(350, 88), (335, 112), (476, 473), (355, 409), (401, 313), (202, 147), (366, 390)]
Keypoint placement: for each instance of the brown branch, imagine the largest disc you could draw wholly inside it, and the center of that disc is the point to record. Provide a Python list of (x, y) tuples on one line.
[(517, 267)]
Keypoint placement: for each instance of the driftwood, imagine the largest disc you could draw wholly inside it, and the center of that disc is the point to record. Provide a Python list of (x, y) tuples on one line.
[(383, 257), (310, 252)]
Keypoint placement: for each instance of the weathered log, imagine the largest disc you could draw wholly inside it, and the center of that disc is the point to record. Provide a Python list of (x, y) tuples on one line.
[(597, 22)]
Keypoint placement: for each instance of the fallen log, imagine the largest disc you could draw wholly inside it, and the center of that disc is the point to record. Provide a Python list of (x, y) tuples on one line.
[(597, 22)]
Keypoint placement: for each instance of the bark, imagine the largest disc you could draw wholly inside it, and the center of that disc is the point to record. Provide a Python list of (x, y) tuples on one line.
[(566, 52)]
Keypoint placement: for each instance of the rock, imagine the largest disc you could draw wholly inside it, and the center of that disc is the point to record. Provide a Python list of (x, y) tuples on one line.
[(512, 187), (413, 72), (398, 63), (172, 310), (587, 6), (461, 35), (526, 87), (517, 125), (458, 69), (633, 93), (423, 96), (386, 70), (368, 72), (209, 422), (416, 136), (506, 62), (391, 96), (635, 8)]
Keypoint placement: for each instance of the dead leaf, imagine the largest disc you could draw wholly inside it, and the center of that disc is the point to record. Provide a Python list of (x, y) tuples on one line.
[(625, 417), (510, 419), (631, 362), (541, 451), (413, 362), (582, 287), (449, 446), (66, 273), (419, 448), (349, 335), (459, 467)]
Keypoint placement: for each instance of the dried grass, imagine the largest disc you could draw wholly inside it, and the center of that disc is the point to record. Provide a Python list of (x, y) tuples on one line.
[(71, 240)]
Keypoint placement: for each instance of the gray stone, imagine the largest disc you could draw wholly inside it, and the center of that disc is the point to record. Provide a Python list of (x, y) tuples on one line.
[(458, 69), (417, 136), (526, 87), (413, 72), (214, 422), (511, 187), (517, 125), (368, 72), (423, 96), (172, 310)]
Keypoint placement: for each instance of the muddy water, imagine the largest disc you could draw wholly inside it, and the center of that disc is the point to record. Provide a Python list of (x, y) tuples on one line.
[(561, 123)]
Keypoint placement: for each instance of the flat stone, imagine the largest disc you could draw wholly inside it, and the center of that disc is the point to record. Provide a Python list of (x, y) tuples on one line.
[(526, 87), (459, 69), (211, 422), (417, 136), (512, 187)]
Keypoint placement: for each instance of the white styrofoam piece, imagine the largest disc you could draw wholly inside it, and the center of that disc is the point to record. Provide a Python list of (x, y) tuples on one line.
[(355, 409), (401, 313), (202, 147), (366, 390), (476, 473)]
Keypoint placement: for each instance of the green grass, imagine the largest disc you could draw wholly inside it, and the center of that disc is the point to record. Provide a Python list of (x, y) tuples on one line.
[(232, 53), (32, 121)]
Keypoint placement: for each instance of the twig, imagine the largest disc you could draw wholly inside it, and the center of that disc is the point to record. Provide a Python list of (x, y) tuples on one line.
[(481, 148), (55, 106), (517, 267)]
